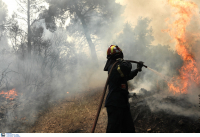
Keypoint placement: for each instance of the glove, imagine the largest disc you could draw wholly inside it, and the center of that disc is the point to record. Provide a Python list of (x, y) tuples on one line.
[(140, 65)]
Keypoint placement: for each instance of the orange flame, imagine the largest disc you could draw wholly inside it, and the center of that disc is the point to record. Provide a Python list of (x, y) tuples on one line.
[(24, 118), (11, 94), (188, 72)]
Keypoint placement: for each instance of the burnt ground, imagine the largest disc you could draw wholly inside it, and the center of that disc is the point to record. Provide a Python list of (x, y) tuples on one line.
[(161, 121), (77, 114)]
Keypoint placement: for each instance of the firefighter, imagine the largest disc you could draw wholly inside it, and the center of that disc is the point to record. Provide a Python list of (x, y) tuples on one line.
[(117, 105)]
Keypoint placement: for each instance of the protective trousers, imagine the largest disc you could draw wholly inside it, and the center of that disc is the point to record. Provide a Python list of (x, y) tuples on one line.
[(119, 120)]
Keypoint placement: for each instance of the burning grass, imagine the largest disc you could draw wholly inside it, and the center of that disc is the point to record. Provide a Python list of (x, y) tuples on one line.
[(11, 94)]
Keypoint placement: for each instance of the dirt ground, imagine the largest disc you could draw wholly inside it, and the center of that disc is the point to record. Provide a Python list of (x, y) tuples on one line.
[(75, 116)]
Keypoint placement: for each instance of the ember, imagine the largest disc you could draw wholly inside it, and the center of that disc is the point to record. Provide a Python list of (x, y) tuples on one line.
[(11, 94)]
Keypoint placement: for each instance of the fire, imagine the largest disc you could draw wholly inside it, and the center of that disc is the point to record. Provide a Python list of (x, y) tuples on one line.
[(177, 30), (24, 118), (11, 94)]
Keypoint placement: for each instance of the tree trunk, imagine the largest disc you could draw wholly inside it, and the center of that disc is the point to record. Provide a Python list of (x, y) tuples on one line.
[(87, 35), (29, 29), (89, 40)]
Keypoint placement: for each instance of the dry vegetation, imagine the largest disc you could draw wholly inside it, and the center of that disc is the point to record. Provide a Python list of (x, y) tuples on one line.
[(72, 115)]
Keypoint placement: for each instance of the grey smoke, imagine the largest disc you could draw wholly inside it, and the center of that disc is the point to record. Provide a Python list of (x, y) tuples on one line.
[(68, 67)]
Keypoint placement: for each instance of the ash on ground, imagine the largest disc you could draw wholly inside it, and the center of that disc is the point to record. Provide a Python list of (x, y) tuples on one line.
[(169, 114)]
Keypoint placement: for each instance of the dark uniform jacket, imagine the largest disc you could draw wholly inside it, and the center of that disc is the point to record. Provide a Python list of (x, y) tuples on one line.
[(118, 87)]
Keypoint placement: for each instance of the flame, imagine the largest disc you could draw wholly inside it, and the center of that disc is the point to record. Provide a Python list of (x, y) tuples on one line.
[(184, 39), (11, 94), (67, 92), (24, 118)]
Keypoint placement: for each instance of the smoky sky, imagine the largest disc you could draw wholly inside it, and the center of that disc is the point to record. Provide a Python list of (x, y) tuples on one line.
[(156, 10)]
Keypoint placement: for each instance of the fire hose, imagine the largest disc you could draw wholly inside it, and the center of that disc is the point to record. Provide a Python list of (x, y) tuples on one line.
[(104, 92)]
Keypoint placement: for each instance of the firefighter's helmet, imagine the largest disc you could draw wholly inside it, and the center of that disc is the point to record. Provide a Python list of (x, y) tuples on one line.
[(113, 49)]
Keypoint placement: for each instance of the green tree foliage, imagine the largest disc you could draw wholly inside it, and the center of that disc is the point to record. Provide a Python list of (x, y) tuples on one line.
[(91, 15)]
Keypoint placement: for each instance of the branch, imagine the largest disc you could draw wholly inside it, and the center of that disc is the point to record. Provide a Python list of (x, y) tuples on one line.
[(20, 17), (91, 8), (4, 74), (35, 20), (37, 3), (21, 5)]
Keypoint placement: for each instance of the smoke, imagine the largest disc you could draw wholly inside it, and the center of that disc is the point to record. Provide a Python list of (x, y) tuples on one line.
[(66, 65), (157, 11), (143, 39), (56, 70), (3, 12), (40, 82), (179, 105)]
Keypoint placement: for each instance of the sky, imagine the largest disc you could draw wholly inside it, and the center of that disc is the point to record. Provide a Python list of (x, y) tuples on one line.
[(11, 5)]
